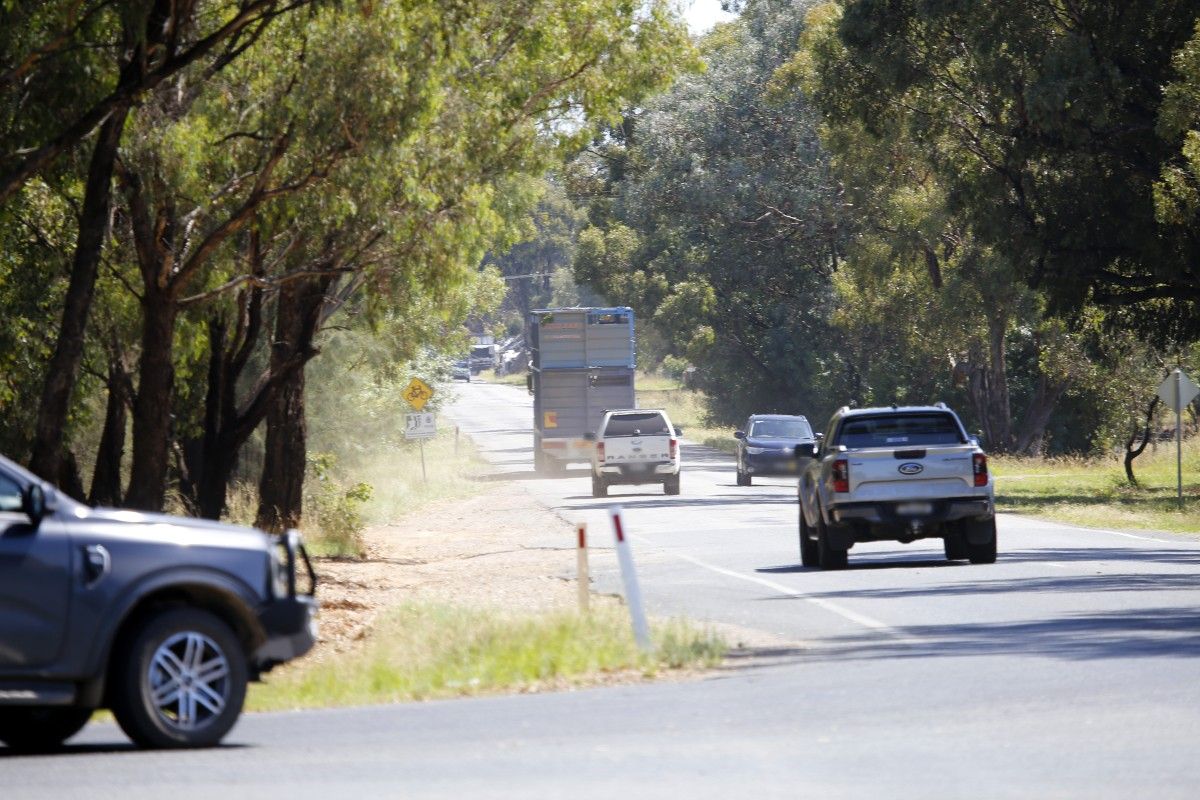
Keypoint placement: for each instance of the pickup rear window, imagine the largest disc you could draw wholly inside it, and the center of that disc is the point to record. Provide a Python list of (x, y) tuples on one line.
[(637, 425), (900, 430)]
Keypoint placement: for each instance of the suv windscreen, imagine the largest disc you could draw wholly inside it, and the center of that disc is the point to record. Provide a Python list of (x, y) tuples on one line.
[(10, 494), (651, 424), (780, 429), (890, 430)]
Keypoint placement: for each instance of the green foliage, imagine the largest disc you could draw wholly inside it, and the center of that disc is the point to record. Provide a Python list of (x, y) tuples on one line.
[(334, 509)]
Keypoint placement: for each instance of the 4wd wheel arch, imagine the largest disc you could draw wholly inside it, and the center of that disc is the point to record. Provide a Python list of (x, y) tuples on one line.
[(229, 599)]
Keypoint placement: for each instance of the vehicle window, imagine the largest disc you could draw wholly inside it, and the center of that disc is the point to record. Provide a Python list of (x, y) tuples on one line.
[(637, 425), (780, 429), (10, 494), (900, 429)]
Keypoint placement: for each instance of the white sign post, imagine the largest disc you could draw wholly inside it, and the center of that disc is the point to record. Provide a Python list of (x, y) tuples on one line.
[(633, 594), (420, 426), (1178, 390)]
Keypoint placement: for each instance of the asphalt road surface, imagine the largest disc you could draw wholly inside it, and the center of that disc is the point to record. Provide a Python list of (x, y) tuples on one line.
[(1067, 669)]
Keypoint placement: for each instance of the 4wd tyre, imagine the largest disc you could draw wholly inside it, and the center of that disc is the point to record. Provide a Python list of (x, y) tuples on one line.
[(743, 479), (808, 548), (954, 543), (984, 552), (827, 556), (35, 729), (671, 485), (180, 680), (599, 486)]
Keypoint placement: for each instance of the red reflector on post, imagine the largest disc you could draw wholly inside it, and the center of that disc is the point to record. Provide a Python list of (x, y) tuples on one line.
[(841, 475), (979, 462)]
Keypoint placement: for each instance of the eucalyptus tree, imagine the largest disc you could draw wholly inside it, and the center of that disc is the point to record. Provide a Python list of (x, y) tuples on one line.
[(69, 68), (723, 223)]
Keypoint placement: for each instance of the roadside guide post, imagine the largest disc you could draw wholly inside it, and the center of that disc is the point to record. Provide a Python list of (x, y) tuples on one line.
[(419, 426), (1178, 390), (581, 566), (633, 594)]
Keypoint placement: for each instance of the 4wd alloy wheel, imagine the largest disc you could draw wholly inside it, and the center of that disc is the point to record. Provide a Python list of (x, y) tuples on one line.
[(183, 681)]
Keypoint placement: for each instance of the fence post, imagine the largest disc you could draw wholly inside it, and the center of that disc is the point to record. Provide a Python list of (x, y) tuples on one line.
[(581, 566)]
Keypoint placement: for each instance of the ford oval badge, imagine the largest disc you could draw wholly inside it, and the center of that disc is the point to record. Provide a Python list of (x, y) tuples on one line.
[(910, 469)]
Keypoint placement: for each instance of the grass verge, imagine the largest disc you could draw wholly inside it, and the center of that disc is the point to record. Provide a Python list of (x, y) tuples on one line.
[(424, 651), (1095, 493)]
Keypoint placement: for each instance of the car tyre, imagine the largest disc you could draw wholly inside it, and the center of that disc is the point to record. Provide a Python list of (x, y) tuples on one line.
[(808, 548), (955, 544), (599, 486), (37, 729), (179, 681), (828, 557), (671, 485), (985, 552)]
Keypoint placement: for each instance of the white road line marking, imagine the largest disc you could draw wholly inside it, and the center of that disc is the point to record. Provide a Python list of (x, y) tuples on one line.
[(834, 608)]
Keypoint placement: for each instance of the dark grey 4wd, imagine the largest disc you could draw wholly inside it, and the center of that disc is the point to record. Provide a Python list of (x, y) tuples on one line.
[(162, 619)]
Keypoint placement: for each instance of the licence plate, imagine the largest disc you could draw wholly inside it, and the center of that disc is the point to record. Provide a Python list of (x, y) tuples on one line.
[(913, 509)]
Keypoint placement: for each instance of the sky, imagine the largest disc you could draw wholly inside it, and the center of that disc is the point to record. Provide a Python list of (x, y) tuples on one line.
[(703, 14)]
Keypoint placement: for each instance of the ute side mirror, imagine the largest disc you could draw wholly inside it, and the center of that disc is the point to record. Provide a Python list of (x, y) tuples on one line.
[(679, 431), (590, 436), (739, 434), (33, 503), (806, 450), (529, 382)]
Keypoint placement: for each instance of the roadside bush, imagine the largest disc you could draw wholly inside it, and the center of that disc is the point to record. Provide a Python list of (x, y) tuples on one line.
[(335, 509)]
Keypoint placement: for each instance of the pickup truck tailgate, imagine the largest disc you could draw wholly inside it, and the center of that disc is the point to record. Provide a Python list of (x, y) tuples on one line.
[(637, 449), (936, 471)]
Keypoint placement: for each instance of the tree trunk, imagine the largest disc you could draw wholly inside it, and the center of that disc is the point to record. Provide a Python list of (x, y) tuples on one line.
[(63, 370), (152, 407), (1030, 442), (1132, 452), (281, 488), (106, 479)]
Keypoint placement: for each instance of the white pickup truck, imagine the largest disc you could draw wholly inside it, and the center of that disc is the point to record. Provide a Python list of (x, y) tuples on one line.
[(635, 446), (895, 474)]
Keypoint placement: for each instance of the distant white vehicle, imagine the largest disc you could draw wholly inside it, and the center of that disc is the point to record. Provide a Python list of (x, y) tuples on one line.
[(635, 446), (461, 370)]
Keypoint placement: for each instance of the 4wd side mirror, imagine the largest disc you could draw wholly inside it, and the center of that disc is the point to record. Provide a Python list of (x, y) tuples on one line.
[(806, 450), (589, 436), (529, 382), (33, 503), (679, 431), (739, 434)]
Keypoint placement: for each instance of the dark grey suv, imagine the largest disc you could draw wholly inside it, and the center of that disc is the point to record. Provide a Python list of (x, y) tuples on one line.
[(767, 445), (161, 619)]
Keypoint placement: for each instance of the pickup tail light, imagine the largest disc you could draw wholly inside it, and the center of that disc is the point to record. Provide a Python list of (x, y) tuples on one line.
[(600, 451), (979, 463), (841, 475), (674, 451)]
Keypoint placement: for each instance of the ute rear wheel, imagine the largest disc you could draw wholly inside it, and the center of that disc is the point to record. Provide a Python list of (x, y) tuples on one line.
[(743, 479), (983, 549), (955, 544), (36, 729), (671, 485), (828, 557), (180, 680), (808, 547)]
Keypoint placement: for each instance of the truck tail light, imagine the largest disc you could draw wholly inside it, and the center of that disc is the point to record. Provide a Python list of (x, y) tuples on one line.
[(674, 451), (841, 475), (979, 462), (600, 451)]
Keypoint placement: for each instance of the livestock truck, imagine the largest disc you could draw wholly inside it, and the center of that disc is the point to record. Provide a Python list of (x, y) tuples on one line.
[(581, 365)]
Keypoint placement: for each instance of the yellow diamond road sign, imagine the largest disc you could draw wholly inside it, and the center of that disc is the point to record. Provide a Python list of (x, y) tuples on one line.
[(417, 393)]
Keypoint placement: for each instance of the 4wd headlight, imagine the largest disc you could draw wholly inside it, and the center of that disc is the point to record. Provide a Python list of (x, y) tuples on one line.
[(278, 567), (754, 451)]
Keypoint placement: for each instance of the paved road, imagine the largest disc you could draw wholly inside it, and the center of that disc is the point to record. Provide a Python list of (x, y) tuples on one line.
[(1067, 669)]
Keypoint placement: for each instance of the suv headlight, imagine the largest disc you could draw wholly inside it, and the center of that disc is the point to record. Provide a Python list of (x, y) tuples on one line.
[(754, 451), (278, 567)]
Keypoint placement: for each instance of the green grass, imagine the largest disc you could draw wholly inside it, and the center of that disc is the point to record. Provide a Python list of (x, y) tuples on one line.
[(422, 651), (1094, 492)]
